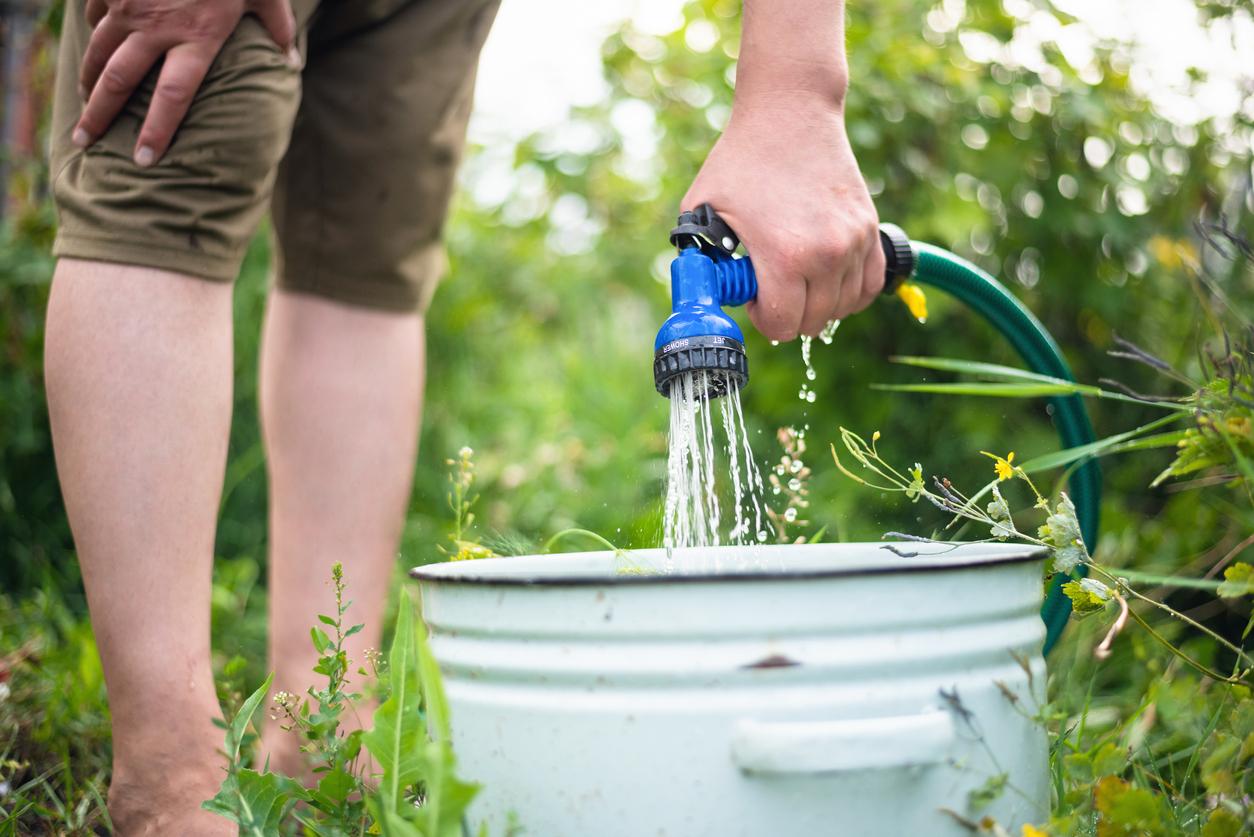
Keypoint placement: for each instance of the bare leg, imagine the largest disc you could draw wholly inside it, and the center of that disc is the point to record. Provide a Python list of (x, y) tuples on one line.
[(138, 366), (341, 398)]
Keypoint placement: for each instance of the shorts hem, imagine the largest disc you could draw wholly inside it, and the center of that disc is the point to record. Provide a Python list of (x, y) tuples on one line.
[(353, 293), (146, 254)]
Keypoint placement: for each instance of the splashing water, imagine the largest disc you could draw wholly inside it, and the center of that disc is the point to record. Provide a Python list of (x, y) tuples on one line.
[(807, 343), (692, 515)]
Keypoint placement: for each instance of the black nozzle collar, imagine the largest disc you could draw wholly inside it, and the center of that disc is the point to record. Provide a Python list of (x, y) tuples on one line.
[(722, 359)]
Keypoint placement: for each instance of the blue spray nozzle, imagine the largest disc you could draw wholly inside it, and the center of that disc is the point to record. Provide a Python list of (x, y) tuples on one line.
[(698, 337)]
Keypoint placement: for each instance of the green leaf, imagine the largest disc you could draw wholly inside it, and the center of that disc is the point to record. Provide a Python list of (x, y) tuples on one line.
[(1222, 823), (989, 792), (326, 620), (321, 641), (1126, 811), (257, 802), (336, 785), (1009, 390), (975, 367), (1062, 532), (1088, 596), (432, 688), (1107, 445), (999, 511), (1109, 760), (1238, 581), (235, 731), (397, 739)]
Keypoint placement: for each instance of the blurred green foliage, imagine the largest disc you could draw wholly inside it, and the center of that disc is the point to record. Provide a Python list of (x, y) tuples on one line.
[(976, 130)]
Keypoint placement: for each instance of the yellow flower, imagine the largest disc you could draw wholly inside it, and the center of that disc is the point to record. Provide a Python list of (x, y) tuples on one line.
[(1033, 831), (1002, 465)]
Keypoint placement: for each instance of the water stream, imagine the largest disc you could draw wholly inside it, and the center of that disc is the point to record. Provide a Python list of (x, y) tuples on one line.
[(697, 459)]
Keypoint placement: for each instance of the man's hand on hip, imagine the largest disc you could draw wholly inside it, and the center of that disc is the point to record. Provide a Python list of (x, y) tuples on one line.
[(130, 36)]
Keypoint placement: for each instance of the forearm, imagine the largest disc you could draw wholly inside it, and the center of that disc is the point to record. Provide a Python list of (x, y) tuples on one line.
[(792, 49)]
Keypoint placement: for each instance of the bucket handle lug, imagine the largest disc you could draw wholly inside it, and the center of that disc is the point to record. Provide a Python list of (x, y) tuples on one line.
[(815, 747)]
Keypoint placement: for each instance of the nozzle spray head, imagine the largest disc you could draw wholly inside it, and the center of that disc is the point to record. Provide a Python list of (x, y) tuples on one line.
[(699, 341), (698, 338)]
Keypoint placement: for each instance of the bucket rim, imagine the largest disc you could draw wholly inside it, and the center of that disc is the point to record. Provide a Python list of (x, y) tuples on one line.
[(461, 573)]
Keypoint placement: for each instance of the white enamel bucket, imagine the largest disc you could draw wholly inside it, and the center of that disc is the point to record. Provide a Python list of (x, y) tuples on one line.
[(827, 689)]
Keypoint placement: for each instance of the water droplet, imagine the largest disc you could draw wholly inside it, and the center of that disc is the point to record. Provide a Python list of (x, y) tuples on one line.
[(810, 396), (775, 489), (761, 536), (797, 465), (774, 342), (811, 374), (802, 393), (794, 484), (790, 515), (829, 332), (779, 469)]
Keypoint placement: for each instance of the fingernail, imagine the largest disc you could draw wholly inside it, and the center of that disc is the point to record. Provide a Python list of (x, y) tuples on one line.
[(293, 58), (144, 156), (80, 138)]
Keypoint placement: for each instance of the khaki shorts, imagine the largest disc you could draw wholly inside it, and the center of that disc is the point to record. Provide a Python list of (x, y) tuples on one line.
[(355, 155)]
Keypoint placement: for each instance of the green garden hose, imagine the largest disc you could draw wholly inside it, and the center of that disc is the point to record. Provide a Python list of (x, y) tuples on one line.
[(986, 296)]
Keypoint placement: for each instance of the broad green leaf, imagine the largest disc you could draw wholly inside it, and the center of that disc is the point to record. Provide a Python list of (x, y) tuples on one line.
[(321, 641), (336, 785), (257, 802), (235, 731), (432, 687), (397, 740)]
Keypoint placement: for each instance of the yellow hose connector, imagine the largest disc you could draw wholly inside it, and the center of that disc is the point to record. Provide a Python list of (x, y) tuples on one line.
[(914, 298)]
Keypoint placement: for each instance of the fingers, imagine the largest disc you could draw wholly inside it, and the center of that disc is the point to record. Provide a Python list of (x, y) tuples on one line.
[(823, 293), (122, 73), (781, 300), (872, 272), (844, 281), (184, 69), (276, 16), (105, 40), (95, 11)]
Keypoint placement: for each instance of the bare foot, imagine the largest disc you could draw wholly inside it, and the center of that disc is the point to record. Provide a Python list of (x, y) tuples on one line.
[(167, 804), (164, 769)]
